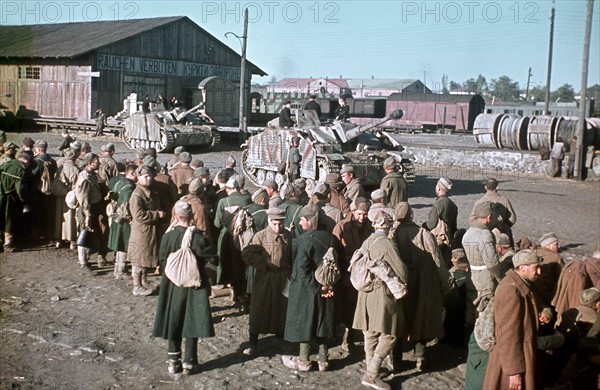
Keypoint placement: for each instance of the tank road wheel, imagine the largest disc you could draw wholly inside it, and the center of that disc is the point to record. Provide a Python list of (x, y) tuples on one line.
[(279, 179), (251, 173), (216, 137), (167, 141), (128, 141), (310, 186), (261, 176), (594, 171)]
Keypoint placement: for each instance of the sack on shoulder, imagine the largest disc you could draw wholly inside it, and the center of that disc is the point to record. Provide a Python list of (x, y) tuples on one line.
[(45, 180), (360, 274), (182, 265), (440, 232), (328, 272)]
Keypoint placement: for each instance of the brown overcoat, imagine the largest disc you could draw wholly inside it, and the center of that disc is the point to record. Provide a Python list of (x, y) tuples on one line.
[(551, 267), (144, 240), (181, 176), (516, 327), (578, 275)]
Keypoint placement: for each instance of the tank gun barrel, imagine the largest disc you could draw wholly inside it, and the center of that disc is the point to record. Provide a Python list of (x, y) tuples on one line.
[(355, 132), (181, 115)]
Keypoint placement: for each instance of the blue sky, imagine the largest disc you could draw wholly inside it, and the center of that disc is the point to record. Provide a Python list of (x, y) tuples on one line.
[(364, 39)]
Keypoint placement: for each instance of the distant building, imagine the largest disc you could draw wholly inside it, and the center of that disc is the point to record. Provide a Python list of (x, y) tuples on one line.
[(385, 87), (68, 70), (310, 86)]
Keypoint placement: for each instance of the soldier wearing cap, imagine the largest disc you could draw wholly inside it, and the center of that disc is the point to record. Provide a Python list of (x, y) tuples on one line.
[(66, 142), (84, 150), (329, 216), (184, 312), (174, 161), (378, 314), (44, 209), (512, 361), (164, 186), (576, 322), (210, 191), (147, 214), (100, 123), (503, 216), (270, 255), (293, 160), (353, 187), (27, 145), (480, 247), (108, 165), (13, 197), (285, 115), (379, 204), (394, 184), (310, 307), (312, 104), (231, 268), (273, 192), (427, 283), (182, 173), (292, 209), (66, 223), (504, 251), (10, 152), (91, 201), (445, 210), (351, 232), (551, 265), (458, 303)]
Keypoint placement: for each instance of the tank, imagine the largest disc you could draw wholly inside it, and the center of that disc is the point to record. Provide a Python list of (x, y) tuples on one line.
[(164, 130), (324, 149)]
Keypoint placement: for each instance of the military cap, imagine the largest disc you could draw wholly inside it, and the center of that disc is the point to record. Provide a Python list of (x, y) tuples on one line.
[(458, 253), (401, 211), (10, 145), (144, 170), (183, 209), (287, 101), (231, 160), (271, 184), (309, 211), (483, 209), (378, 194), (524, 243), (69, 154), (149, 161), (258, 193), (232, 183), (346, 169), (360, 204), (109, 147), (322, 190), (41, 143), (275, 213), (202, 171), (333, 178), (185, 157), (179, 150), (296, 139), (525, 257), (503, 240), (88, 158), (300, 183), (195, 186), (491, 183), (589, 296), (382, 220), (197, 163), (24, 154), (548, 239), (446, 183), (28, 141), (389, 163)]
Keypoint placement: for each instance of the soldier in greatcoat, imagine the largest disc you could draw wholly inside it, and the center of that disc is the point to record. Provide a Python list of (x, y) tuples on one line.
[(329, 216), (147, 214), (379, 203), (334, 180), (512, 361), (270, 254), (378, 314), (353, 187), (273, 191), (503, 214), (184, 312), (446, 210), (163, 185), (182, 173), (13, 195), (310, 307), (44, 209), (575, 277), (351, 232), (292, 209), (551, 265), (66, 223), (394, 184), (427, 284), (120, 230), (200, 213), (108, 165)]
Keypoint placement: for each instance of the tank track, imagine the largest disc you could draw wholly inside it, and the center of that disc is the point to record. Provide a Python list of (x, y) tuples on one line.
[(167, 142)]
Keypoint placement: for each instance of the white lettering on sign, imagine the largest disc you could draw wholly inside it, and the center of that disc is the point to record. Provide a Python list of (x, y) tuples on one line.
[(165, 67)]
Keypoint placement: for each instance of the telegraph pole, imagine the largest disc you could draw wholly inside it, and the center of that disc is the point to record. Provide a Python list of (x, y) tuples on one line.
[(243, 122), (548, 76), (582, 100), (527, 90)]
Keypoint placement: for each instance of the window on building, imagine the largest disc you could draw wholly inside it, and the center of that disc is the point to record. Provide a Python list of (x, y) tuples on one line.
[(29, 72)]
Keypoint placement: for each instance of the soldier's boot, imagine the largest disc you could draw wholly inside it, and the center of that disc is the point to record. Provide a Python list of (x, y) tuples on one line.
[(145, 283), (371, 378), (136, 276), (83, 254), (120, 265)]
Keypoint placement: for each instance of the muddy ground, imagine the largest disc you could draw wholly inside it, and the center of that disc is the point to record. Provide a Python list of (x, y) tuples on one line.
[(64, 329)]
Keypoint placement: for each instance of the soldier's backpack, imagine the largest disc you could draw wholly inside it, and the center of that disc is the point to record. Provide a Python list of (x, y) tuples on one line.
[(328, 272), (45, 179), (239, 224), (182, 266), (440, 232), (484, 328)]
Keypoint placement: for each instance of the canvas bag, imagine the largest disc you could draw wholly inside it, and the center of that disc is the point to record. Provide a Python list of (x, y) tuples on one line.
[(328, 272), (440, 232), (484, 328), (360, 274), (182, 266), (45, 179)]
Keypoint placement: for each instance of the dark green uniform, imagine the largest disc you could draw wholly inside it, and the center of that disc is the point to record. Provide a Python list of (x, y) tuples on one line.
[(11, 194), (259, 216), (292, 216), (118, 237), (183, 312)]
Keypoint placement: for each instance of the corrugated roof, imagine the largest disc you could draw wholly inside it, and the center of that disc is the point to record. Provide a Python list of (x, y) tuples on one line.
[(305, 81), (71, 39), (392, 84)]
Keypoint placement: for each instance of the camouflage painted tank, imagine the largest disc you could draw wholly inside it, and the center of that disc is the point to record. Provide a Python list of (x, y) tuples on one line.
[(164, 130), (324, 149)]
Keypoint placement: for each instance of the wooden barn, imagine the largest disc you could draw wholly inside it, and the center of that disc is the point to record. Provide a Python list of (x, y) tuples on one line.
[(69, 70)]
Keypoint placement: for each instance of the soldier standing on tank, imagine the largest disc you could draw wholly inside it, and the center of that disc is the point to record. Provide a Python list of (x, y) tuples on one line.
[(285, 115), (293, 160), (313, 105), (342, 113)]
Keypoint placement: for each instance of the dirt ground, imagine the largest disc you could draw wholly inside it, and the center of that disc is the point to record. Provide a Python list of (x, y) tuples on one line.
[(65, 329)]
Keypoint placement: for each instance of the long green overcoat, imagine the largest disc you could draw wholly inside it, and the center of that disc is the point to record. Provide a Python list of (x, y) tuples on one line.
[(308, 315), (183, 311), (11, 194), (118, 237)]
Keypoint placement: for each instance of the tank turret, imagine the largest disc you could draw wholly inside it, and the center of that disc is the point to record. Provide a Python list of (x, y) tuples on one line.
[(324, 149)]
